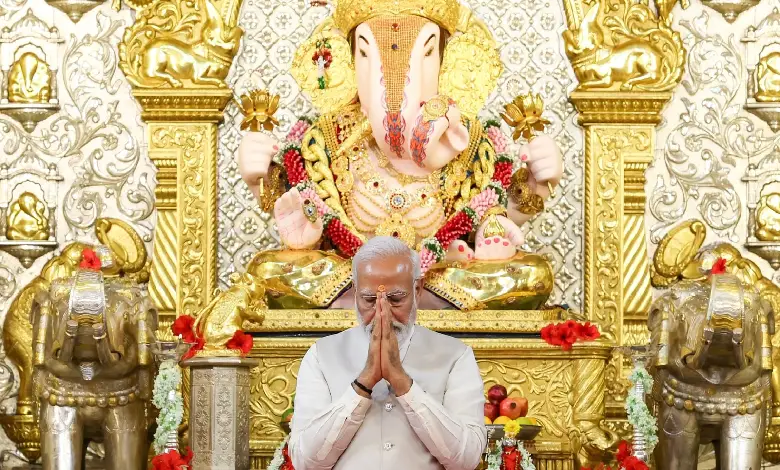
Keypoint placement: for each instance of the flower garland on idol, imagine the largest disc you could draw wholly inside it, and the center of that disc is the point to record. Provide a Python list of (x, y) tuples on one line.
[(625, 461), (434, 248)]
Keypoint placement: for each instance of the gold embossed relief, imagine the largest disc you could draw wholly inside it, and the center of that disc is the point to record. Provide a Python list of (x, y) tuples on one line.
[(622, 45), (174, 43), (604, 222), (185, 154)]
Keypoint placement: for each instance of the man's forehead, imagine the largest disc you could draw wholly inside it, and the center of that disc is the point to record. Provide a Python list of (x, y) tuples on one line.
[(393, 272)]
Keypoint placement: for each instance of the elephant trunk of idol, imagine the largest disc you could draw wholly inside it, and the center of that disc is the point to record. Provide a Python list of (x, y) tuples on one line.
[(719, 337), (393, 107)]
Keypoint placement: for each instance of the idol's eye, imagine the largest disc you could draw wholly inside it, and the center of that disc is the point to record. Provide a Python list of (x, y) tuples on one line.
[(363, 53), (429, 52)]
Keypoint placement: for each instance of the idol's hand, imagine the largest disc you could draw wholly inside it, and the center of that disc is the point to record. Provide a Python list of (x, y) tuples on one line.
[(255, 153), (372, 371), (297, 230), (392, 370)]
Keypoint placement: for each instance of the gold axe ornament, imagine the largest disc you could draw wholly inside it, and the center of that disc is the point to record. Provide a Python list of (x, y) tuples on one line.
[(524, 115), (258, 108)]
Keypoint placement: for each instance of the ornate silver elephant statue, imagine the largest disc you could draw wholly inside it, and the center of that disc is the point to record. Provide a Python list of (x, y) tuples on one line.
[(712, 371), (94, 369)]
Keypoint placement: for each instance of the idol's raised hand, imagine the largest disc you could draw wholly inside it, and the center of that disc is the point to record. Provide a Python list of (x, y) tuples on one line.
[(392, 370)]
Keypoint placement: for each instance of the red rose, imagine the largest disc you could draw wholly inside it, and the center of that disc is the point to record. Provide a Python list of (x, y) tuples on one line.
[(633, 463), (242, 341), (184, 326), (90, 260), (719, 267), (624, 451), (199, 343)]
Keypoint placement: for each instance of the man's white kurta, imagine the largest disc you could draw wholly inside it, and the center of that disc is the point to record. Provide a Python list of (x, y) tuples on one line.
[(438, 424)]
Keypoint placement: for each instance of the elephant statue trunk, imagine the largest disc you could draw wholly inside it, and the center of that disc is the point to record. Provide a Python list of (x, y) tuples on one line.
[(711, 372)]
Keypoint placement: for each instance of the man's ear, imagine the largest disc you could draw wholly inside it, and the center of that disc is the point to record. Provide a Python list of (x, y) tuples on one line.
[(418, 287)]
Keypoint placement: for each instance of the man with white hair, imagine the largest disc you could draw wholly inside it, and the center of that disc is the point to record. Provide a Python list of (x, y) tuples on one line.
[(388, 394)]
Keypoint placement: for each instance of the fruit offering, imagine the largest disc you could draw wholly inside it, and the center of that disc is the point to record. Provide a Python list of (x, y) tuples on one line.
[(500, 408)]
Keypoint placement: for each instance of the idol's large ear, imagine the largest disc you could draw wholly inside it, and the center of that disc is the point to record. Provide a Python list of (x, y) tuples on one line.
[(471, 65), (324, 70)]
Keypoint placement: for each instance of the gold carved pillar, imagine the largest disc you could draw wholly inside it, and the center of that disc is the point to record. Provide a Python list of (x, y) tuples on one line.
[(177, 55), (627, 60)]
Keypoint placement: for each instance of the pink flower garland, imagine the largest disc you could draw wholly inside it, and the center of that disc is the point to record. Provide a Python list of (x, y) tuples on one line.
[(298, 130), (497, 138)]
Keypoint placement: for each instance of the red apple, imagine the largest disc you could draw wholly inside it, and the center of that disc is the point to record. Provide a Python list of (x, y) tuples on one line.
[(496, 394), (514, 408), (491, 411)]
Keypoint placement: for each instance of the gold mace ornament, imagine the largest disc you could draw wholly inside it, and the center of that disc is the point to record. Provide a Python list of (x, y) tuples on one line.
[(258, 108), (524, 115)]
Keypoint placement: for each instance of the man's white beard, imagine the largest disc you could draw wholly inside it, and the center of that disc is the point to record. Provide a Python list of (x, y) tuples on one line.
[(402, 331)]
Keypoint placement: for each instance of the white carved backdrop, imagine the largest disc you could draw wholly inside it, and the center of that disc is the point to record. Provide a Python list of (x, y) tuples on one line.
[(96, 140), (708, 139), (529, 35)]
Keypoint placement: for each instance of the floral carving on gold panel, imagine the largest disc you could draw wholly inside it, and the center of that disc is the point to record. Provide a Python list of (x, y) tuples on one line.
[(546, 385), (604, 173), (271, 391), (193, 142)]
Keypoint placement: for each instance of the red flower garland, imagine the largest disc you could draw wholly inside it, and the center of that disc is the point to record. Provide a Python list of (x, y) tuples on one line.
[(567, 333), (90, 260), (172, 460), (287, 465), (459, 225), (242, 341), (293, 163), (503, 173), (625, 461), (346, 241)]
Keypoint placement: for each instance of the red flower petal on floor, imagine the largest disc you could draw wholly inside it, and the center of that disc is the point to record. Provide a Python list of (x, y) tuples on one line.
[(184, 326), (241, 341), (719, 267)]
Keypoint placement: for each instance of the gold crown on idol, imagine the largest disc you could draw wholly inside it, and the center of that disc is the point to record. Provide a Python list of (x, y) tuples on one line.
[(350, 13)]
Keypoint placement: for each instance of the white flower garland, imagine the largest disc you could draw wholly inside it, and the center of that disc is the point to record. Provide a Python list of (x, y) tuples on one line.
[(639, 415), (526, 463), (168, 400), (278, 460)]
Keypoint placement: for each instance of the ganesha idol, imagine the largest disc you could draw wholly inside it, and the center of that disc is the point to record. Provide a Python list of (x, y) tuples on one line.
[(398, 151)]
